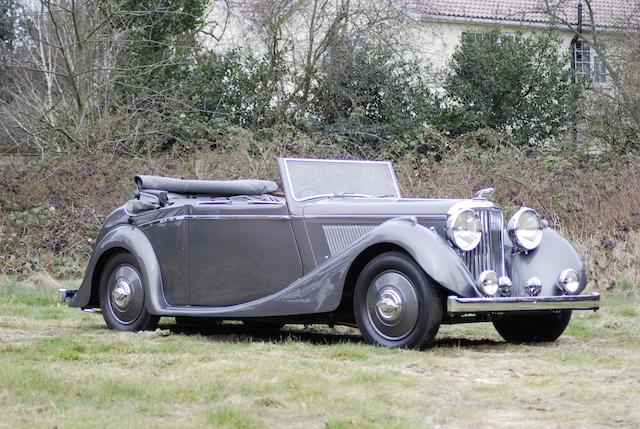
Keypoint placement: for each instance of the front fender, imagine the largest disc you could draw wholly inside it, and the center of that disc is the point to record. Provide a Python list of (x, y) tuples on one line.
[(554, 255), (133, 240), (430, 251)]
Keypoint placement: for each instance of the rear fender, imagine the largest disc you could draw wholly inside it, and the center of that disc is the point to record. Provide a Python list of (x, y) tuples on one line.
[(126, 238)]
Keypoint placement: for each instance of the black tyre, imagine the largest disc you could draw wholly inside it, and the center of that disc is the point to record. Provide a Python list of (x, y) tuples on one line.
[(122, 295), (533, 328), (395, 304)]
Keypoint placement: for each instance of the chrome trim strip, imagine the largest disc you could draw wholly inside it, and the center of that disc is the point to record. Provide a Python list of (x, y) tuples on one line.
[(364, 216), (162, 220), (457, 305), (266, 203), (242, 217), (284, 217), (215, 217)]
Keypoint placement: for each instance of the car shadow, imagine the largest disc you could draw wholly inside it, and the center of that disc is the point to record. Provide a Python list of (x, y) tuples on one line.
[(314, 334), (464, 343), (239, 333)]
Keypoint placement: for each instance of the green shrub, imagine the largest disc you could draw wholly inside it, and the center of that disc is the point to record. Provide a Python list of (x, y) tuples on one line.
[(231, 87), (514, 84), (368, 94)]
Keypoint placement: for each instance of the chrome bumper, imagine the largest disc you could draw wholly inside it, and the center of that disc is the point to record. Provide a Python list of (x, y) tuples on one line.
[(65, 295), (457, 305)]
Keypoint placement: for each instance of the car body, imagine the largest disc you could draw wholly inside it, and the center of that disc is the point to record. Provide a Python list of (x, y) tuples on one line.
[(338, 246)]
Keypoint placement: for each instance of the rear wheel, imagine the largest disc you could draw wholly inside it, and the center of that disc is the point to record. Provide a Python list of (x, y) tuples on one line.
[(122, 295), (532, 328), (395, 303)]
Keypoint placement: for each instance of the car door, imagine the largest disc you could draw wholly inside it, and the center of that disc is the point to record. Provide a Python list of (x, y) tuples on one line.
[(167, 231), (240, 251)]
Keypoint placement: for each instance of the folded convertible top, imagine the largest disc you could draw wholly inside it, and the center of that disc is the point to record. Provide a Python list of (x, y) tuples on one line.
[(223, 188)]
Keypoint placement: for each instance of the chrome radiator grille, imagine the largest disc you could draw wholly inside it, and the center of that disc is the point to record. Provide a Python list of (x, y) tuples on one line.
[(489, 255)]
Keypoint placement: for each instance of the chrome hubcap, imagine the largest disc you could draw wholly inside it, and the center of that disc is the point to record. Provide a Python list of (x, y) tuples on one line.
[(392, 305), (126, 294), (121, 294), (389, 305)]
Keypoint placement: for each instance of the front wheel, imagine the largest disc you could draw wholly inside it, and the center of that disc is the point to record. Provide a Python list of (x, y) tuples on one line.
[(395, 303), (533, 328), (122, 295)]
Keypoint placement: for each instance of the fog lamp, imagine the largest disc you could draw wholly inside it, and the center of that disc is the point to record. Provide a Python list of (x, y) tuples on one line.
[(569, 281), (488, 282)]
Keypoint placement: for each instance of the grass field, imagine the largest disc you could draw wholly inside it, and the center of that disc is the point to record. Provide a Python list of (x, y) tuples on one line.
[(62, 367)]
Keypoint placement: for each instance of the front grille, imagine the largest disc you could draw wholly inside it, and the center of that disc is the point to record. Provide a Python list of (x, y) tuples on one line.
[(489, 255)]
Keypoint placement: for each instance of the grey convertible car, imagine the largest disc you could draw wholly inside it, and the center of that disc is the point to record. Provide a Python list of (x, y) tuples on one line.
[(338, 246)]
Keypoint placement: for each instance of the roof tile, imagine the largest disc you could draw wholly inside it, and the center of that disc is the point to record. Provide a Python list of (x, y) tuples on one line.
[(606, 13)]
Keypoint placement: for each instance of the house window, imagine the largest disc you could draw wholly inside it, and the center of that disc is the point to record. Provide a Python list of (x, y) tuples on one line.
[(599, 75), (587, 64), (581, 59)]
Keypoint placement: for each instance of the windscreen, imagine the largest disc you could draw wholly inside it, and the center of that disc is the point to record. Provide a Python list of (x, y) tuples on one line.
[(311, 178)]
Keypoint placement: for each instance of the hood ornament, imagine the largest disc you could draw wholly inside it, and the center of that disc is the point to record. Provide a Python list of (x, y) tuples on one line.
[(481, 194)]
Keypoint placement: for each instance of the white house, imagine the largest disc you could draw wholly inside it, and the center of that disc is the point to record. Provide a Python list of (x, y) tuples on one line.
[(444, 21), (434, 27)]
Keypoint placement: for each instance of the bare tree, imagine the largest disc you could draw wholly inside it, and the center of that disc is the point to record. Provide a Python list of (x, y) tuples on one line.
[(296, 34), (611, 33), (74, 55), (62, 59)]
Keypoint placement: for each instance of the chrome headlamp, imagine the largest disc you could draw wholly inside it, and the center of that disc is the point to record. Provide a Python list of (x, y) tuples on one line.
[(464, 229), (525, 229)]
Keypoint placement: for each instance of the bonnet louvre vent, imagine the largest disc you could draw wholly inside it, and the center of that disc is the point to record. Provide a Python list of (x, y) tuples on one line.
[(339, 237)]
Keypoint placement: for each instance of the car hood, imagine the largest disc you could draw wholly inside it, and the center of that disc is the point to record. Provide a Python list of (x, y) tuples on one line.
[(380, 207)]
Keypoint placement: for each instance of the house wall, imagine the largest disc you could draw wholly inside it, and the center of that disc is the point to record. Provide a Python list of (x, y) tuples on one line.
[(436, 41), (432, 41), (225, 31)]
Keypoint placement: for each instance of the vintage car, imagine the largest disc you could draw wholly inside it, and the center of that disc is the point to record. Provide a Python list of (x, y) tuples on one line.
[(339, 245)]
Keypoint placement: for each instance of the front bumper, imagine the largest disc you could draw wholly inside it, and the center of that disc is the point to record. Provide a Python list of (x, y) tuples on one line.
[(457, 305)]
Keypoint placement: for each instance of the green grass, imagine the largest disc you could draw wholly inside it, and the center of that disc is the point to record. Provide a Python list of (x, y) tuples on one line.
[(62, 367)]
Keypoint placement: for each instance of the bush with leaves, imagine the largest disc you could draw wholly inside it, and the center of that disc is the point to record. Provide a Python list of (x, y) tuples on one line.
[(158, 38), (231, 87), (7, 36), (7, 22), (514, 84), (369, 94)]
